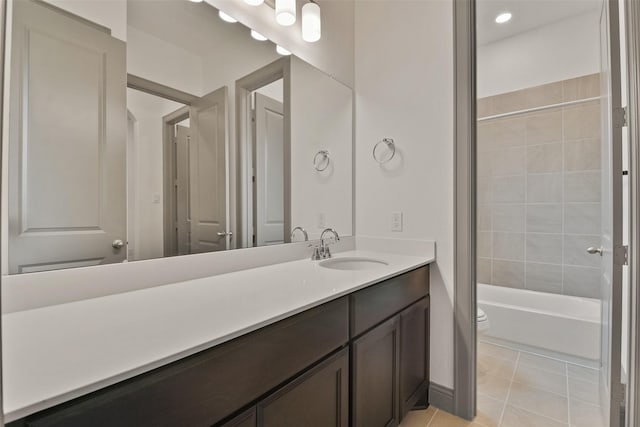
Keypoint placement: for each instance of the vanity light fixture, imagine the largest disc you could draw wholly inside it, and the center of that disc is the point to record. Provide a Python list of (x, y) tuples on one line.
[(286, 12), (226, 18), (256, 35), (254, 2), (311, 23), (503, 17), (282, 51)]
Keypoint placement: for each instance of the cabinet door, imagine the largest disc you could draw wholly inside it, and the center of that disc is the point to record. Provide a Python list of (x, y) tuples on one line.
[(246, 419), (414, 354), (319, 398), (375, 379)]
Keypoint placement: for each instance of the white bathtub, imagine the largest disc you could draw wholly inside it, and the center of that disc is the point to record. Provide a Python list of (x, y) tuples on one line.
[(556, 323)]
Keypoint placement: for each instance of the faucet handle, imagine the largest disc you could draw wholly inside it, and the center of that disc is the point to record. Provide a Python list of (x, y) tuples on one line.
[(316, 254)]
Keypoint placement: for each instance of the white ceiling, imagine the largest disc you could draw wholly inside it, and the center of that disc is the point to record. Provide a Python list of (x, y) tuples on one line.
[(527, 15)]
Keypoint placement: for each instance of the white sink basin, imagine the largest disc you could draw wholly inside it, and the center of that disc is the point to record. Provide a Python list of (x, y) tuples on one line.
[(353, 263)]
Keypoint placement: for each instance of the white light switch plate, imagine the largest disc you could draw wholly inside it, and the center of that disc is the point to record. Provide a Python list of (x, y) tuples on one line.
[(396, 221)]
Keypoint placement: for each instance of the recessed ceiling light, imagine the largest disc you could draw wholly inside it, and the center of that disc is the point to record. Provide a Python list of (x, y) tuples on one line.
[(254, 2), (197, 1), (282, 51), (256, 35), (503, 17), (226, 18)]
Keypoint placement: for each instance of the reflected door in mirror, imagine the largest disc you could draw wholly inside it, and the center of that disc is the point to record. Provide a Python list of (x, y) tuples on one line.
[(68, 131)]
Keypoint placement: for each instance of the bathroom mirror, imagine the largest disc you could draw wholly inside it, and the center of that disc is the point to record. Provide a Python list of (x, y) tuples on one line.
[(195, 135)]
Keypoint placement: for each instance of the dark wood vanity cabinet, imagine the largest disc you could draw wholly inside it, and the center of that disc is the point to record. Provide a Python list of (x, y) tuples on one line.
[(360, 360)]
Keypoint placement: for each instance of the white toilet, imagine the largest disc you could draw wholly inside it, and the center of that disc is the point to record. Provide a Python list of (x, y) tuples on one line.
[(483, 321)]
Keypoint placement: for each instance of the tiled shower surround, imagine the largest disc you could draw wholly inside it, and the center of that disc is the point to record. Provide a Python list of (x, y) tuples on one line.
[(539, 188)]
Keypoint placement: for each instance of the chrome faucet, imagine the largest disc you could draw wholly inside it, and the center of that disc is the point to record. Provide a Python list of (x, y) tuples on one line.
[(306, 236), (324, 247)]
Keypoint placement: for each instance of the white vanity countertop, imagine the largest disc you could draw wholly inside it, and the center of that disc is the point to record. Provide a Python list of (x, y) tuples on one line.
[(57, 353)]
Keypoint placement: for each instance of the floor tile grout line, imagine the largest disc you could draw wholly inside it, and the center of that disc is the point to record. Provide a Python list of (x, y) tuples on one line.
[(433, 417), (538, 414), (506, 399)]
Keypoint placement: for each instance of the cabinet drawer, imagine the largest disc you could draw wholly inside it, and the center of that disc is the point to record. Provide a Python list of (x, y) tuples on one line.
[(376, 303), (203, 389)]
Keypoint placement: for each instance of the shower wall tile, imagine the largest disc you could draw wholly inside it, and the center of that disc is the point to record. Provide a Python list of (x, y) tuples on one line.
[(581, 87), (544, 188), (484, 270), (508, 246), (544, 158), (545, 248), (507, 133), (484, 190), (582, 218), (484, 163), (484, 244), (484, 217), (508, 189), (539, 188), (509, 218), (543, 277), (582, 121), (575, 250), (582, 186), (546, 218), (581, 281), (545, 127), (582, 155), (510, 161), (508, 273)]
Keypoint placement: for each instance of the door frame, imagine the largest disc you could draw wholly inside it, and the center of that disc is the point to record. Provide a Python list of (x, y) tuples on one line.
[(279, 69), (464, 316), (465, 299), (632, 26), (168, 155)]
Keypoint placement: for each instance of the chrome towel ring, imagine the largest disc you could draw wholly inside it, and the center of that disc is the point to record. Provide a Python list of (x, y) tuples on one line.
[(321, 160), (384, 150)]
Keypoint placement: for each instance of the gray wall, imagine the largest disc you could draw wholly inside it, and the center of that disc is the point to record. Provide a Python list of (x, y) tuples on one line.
[(539, 188)]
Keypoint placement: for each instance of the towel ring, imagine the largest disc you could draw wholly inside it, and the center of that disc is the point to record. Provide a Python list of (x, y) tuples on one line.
[(377, 150), (321, 160)]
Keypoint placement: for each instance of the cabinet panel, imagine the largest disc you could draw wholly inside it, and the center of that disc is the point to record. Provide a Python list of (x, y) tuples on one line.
[(319, 398), (414, 354), (203, 389), (372, 305), (375, 376)]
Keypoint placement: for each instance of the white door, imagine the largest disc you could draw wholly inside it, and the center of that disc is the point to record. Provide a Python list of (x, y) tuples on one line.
[(269, 172), (611, 246), (208, 197), (67, 142)]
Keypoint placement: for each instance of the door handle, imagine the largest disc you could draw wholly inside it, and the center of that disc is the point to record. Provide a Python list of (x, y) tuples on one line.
[(224, 233), (593, 250), (117, 244)]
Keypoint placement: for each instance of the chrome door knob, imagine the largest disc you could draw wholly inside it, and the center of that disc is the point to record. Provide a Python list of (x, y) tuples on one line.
[(224, 233), (593, 250), (117, 244)]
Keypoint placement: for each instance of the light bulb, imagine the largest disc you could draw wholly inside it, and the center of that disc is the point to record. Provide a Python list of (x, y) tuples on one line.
[(503, 17), (286, 12), (256, 35), (254, 2), (311, 23), (226, 18), (282, 51)]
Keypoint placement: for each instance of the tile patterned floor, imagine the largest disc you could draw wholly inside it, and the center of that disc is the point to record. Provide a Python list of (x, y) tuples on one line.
[(520, 389)]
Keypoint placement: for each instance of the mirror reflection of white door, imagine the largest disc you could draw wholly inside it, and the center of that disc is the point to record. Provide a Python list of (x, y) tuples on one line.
[(611, 248), (208, 176), (269, 171), (67, 142)]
